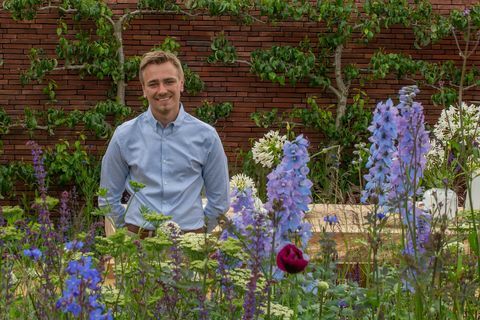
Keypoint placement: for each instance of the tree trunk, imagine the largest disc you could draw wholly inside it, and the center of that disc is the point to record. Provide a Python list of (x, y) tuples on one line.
[(121, 60)]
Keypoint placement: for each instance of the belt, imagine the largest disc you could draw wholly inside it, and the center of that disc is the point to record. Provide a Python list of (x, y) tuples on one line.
[(144, 233)]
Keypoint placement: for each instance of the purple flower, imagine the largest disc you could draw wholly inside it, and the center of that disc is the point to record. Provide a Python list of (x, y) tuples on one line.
[(34, 254), (331, 219), (74, 245), (384, 134), (290, 259), (288, 191), (82, 290)]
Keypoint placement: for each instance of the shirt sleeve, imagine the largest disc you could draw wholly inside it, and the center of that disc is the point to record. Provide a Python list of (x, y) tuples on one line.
[(112, 178), (217, 188)]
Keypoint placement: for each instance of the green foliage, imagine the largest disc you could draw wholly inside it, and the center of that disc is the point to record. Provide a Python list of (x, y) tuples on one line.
[(39, 66), (12, 173), (12, 214), (223, 50), (281, 10), (160, 5), (280, 63), (193, 83), (211, 113), (236, 8), (5, 122), (266, 119), (65, 162)]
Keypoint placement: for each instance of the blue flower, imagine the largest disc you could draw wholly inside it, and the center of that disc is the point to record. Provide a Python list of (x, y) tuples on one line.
[(74, 245), (289, 192), (331, 219), (82, 289), (34, 254)]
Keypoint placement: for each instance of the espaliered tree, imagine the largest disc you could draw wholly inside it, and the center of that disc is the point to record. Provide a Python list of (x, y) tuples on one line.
[(450, 79), (94, 52), (85, 43), (318, 61)]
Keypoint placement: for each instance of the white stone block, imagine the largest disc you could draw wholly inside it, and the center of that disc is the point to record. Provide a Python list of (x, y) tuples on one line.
[(441, 202), (475, 193)]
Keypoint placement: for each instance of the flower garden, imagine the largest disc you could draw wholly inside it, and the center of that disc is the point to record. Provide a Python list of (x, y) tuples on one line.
[(258, 264), (381, 220)]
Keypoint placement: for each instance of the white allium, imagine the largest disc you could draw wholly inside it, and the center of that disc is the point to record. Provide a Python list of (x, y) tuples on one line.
[(269, 149), (448, 128), (241, 182)]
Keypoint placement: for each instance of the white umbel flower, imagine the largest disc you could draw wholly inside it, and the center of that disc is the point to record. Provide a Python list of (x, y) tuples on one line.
[(449, 128), (269, 150), (241, 182)]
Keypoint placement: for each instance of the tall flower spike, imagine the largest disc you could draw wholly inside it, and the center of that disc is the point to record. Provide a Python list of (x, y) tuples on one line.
[(384, 134), (289, 188)]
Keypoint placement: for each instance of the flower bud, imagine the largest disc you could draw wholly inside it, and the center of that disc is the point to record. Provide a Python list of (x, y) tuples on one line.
[(323, 286)]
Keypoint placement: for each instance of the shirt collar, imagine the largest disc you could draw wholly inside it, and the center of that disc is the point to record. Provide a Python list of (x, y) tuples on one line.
[(178, 121)]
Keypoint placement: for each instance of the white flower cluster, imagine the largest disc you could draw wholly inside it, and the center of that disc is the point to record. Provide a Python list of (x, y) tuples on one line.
[(268, 151), (241, 182), (449, 128), (279, 311)]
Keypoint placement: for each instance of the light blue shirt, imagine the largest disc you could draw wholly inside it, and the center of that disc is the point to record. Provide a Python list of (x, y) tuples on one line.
[(175, 163)]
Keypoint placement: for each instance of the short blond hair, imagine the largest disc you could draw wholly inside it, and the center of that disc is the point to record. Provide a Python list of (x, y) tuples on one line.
[(159, 57)]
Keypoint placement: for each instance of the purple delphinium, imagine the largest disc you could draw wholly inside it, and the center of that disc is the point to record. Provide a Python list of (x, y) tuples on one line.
[(288, 191), (82, 290), (407, 169), (384, 134), (250, 222)]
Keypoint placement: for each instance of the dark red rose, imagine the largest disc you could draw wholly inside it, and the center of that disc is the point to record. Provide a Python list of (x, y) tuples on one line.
[(290, 259)]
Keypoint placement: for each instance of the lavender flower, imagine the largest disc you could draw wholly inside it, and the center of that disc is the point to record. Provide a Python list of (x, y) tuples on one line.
[(38, 166), (288, 191)]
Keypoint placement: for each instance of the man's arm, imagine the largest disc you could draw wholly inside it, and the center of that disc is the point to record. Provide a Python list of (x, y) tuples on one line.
[(113, 176), (217, 188)]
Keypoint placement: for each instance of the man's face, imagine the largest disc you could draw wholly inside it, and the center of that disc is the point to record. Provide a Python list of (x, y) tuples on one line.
[(162, 87)]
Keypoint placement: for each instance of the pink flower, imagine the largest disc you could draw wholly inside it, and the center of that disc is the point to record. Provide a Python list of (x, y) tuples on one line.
[(290, 259)]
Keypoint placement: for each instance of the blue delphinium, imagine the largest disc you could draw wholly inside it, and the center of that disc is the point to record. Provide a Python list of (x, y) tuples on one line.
[(82, 290), (384, 134), (407, 170), (246, 216), (251, 222), (413, 144), (288, 191)]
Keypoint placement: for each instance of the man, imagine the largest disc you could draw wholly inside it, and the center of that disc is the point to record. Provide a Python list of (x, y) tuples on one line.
[(172, 153)]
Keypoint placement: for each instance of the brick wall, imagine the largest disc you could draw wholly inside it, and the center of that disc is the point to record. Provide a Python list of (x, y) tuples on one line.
[(223, 83)]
